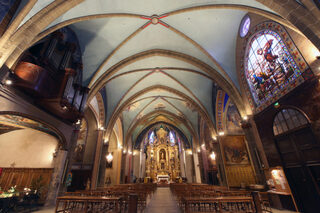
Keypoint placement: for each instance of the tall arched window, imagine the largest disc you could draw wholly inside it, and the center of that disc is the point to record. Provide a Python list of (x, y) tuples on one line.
[(172, 140), (272, 64), (288, 119), (151, 137)]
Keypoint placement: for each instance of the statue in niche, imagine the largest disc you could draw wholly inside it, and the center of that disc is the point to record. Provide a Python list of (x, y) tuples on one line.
[(162, 165), (162, 154)]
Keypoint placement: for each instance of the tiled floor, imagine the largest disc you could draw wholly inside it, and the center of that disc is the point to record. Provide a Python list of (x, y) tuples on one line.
[(162, 201)]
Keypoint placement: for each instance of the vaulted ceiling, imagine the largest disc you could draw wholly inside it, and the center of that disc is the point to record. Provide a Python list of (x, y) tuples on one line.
[(156, 59)]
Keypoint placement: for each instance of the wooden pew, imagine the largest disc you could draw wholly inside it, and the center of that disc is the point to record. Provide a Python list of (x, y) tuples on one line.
[(84, 204), (232, 204)]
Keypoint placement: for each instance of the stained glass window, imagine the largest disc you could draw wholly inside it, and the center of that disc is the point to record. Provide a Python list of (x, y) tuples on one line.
[(244, 26), (288, 119), (172, 140), (270, 68), (151, 137)]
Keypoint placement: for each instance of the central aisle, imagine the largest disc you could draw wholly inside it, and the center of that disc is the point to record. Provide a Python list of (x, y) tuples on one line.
[(162, 201)]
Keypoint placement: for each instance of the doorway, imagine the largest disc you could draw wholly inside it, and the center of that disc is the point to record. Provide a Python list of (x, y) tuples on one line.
[(300, 155)]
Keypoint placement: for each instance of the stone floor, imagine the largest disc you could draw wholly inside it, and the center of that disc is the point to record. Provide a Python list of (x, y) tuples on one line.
[(162, 201)]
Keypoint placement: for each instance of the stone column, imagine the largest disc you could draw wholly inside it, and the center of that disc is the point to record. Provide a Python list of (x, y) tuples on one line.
[(196, 167), (258, 158), (220, 163), (204, 156), (182, 164), (56, 180), (189, 167), (97, 157), (142, 164), (136, 164), (71, 147), (102, 167)]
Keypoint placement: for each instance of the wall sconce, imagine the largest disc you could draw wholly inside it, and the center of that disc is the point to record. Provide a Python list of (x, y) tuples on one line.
[(120, 147), (214, 138), (245, 118), (198, 150), (109, 158), (105, 141), (55, 153), (190, 152), (78, 122), (101, 128), (203, 146), (129, 152), (124, 151), (135, 152), (213, 156), (8, 82)]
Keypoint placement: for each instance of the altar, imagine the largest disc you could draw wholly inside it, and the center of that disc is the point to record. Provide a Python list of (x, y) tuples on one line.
[(162, 156), (163, 178)]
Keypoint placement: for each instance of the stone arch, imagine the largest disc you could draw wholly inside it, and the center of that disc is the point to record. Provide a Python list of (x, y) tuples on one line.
[(302, 17), (116, 114), (215, 75), (61, 138), (162, 112)]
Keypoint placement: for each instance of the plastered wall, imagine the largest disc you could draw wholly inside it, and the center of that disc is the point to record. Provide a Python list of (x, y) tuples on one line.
[(27, 148)]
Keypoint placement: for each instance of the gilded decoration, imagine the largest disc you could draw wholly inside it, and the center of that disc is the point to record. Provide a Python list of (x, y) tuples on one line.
[(162, 163)]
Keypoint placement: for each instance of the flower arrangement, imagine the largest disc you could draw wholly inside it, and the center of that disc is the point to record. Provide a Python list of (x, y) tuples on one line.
[(10, 193)]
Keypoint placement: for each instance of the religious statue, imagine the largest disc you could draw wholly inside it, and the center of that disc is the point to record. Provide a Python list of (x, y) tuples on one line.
[(162, 154)]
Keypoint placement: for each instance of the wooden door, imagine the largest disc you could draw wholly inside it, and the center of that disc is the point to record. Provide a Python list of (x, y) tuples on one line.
[(300, 155)]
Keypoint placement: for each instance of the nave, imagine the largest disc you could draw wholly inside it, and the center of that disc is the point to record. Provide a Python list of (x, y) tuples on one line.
[(176, 198), (103, 103)]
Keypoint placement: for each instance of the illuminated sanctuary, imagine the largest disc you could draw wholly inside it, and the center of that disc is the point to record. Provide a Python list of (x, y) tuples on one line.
[(163, 154), (174, 99)]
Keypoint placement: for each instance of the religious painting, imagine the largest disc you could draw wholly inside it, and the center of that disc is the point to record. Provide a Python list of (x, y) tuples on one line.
[(238, 167), (7, 128), (233, 121), (235, 150), (18, 122), (273, 65), (81, 142)]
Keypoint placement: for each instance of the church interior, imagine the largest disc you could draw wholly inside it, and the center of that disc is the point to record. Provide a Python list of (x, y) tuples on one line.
[(160, 106)]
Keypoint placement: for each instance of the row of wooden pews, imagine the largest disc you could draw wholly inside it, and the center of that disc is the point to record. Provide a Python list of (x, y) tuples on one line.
[(209, 198), (117, 198)]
